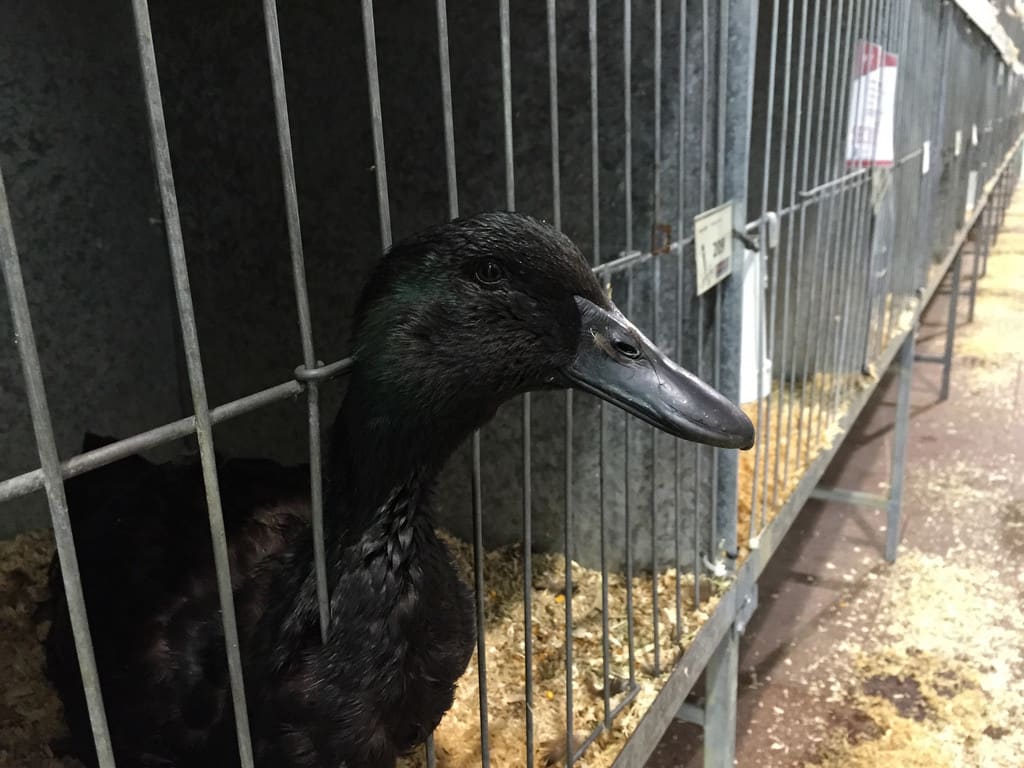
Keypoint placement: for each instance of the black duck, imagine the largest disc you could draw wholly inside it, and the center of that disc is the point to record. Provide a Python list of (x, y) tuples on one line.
[(454, 322)]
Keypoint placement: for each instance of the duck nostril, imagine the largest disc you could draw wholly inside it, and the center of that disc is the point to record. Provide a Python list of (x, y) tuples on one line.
[(626, 349)]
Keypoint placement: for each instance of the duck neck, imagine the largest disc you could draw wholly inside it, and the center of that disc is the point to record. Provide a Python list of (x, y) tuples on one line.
[(383, 446)]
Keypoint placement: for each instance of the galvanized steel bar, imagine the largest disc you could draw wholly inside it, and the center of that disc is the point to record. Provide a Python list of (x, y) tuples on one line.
[(628, 521), (627, 101), (190, 341), (720, 703), (567, 544), (865, 288), (654, 325), (595, 160), (46, 446), (857, 306), (951, 317), (899, 448), (803, 445), (796, 231), (603, 510), (377, 124), (764, 404), (833, 208), (722, 672), (556, 173), (825, 208), (889, 295), (506, 100), (784, 139), (705, 132), (839, 285), (478, 583), (723, 513), (302, 303), (446, 108), (681, 299)]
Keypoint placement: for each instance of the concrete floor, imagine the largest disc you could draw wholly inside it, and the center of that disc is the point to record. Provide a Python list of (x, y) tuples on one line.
[(828, 597)]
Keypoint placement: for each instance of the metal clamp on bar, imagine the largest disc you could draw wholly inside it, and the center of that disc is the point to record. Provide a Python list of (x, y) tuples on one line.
[(716, 568), (324, 372), (814, 191), (748, 242)]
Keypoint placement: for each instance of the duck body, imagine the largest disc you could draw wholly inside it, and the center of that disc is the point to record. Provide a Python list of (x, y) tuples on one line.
[(453, 322), (401, 631)]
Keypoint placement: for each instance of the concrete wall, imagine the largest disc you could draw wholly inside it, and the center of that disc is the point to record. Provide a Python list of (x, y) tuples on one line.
[(87, 219), (82, 202)]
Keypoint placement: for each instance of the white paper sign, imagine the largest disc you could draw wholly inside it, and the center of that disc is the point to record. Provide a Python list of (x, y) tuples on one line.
[(712, 234), (869, 138), (926, 157), (974, 135), (958, 141), (972, 191)]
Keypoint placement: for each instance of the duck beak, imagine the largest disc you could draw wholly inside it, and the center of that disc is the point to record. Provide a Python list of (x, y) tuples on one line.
[(616, 362)]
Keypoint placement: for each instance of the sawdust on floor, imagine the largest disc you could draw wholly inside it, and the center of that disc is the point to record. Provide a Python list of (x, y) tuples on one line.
[(941, 686)]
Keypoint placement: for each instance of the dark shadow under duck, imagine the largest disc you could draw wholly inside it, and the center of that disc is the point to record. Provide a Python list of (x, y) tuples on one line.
[(454, 322)]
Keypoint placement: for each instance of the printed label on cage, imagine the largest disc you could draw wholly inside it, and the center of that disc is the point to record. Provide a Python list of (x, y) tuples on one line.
[(712, 235), (958, 140), (972, 192), (974, 135), (926, 158), (869, 138)]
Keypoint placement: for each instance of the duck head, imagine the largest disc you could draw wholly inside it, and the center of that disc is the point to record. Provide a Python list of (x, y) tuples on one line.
[(460, 318)]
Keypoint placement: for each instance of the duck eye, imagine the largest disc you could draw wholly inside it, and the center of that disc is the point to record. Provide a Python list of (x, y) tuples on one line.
[(626, 349), (489, 273)]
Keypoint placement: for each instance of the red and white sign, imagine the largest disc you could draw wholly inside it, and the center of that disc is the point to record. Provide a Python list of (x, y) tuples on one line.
[(869, 139)]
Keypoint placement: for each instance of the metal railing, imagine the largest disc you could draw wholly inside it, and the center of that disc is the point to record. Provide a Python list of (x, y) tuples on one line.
[(852, 255)]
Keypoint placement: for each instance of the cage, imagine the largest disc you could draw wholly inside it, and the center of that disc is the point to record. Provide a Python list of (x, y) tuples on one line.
[(612, 565)]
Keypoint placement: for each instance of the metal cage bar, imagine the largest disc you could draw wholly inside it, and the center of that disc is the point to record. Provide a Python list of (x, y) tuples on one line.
[(46, 446), (309, 360)]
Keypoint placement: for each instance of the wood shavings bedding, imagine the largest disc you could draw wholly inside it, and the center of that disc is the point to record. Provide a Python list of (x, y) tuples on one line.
[(30, 712), (31, 718), (457, 738)]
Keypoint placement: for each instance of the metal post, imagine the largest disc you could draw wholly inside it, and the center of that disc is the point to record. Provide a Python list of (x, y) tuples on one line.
[(899, 449), (723, 668), (720, 702), (977, 246), (947, 354), (987, 235), (739, 93), (309, 360)]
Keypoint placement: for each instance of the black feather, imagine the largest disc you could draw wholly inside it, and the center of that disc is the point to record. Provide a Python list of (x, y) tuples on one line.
[(437, 353)]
